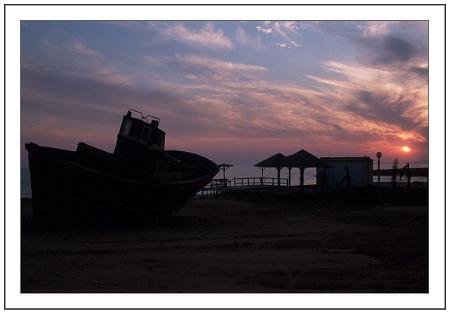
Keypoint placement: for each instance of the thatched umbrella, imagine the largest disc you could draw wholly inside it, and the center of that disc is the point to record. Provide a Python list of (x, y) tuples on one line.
[(275, 161), (302, 159)]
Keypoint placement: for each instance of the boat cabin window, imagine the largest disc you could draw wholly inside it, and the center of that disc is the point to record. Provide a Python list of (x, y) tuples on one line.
[(144, 133)]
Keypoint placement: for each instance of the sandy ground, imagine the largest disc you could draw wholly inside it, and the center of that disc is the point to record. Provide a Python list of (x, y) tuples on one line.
[(236, 245)]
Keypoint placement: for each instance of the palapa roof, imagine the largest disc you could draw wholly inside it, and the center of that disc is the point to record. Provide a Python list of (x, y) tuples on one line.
[(225, 165), (304, 159), (276, 160)]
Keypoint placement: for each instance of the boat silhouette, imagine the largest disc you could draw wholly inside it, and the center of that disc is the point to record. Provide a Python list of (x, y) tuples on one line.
[(138, 181)]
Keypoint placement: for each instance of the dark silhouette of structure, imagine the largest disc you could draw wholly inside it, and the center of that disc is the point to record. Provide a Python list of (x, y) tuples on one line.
[(405, 171), (394, 174), (345, 172), (276, 161), (413, 171), (408, 175), (302, 160), (223, 167), (139, 180), (379, 155)]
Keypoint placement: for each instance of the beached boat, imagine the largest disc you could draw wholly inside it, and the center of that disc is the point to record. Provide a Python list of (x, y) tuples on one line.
[(139, 180)]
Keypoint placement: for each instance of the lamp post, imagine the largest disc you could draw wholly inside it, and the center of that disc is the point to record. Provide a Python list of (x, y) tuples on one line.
[(379, 155)]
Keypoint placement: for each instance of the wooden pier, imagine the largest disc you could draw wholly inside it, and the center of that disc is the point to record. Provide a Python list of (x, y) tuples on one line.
[(413, 172), (217, 186)]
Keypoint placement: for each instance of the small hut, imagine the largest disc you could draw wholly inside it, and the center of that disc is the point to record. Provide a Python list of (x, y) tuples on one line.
[(351, 171), (275, 161), (302, 159)]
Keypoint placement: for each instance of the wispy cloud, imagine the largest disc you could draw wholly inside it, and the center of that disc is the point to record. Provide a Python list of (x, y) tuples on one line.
[(400, 102), (218, 96), (286, 32), (242, 111), (282, 45), (65, 55), (245, 39), (207, 36), (206, 68), (285, 29), (375, 28), (265, 30), (83, 49), (220, 65)]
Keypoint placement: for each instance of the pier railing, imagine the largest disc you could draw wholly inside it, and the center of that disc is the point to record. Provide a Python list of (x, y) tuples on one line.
[(413, 171), (220, 183), (216, 186), (258, 181)]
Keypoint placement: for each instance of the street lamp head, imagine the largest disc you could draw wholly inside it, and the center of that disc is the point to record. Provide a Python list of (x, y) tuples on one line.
[(379, 154)]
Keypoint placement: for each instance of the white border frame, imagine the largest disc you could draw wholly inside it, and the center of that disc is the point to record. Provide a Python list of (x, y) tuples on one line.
[(434, 299)]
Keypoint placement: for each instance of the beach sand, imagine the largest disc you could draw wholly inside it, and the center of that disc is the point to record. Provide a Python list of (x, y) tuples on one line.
[(233, 244)]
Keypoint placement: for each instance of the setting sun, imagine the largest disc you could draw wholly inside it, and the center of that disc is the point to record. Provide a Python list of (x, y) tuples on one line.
[(406, 149)]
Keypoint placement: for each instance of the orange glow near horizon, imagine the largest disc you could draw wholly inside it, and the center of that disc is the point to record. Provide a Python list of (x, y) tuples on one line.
[(406, 149)]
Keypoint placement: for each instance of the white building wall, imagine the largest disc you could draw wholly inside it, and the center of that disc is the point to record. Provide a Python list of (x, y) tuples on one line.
[(360, 170)]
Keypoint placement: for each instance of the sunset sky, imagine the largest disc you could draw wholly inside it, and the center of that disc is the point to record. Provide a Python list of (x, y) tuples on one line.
[(235, 92)]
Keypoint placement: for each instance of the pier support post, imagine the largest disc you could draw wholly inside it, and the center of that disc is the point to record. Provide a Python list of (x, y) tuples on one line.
[(278, 176), (302, 173), (289, 181)]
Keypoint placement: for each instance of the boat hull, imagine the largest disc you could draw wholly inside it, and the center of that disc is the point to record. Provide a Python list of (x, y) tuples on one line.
[(64, 190)]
